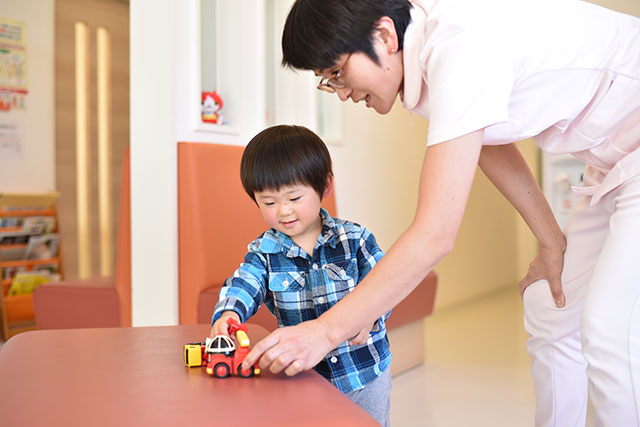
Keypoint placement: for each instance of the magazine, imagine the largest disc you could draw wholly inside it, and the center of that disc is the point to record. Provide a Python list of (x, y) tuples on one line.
[(13, 221), (42, 247), (12, 253), (39, 224), (10, 272), (52, 268), (26, 282), (14, 237)]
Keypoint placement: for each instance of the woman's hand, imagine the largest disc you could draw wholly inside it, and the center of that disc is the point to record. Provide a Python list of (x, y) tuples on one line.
[(547, 265), (509, 172), (291, 349)]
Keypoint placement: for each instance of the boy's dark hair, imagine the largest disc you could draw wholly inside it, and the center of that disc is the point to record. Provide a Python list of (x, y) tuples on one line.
[(285, 155), (317, 32)]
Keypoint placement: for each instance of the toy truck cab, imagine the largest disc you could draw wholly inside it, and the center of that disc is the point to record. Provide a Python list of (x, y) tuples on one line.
[(220, 344)]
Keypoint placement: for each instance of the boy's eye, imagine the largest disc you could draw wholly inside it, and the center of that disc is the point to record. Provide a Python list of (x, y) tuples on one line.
[(295, 199), (269, 203)]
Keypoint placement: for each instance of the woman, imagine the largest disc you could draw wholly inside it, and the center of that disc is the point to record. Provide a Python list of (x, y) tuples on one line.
[(486, 74)]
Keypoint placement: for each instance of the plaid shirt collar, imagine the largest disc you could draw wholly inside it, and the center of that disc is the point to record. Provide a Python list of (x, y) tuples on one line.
[(274, 241)]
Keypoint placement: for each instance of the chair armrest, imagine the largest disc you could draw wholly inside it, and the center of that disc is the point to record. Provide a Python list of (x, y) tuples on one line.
[(417, 305)]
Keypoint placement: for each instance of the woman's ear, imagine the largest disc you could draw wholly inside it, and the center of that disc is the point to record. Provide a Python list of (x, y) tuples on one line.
[(386, 32), (328, 187)]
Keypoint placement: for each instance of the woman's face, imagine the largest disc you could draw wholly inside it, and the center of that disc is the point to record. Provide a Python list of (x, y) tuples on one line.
[(377, 85)]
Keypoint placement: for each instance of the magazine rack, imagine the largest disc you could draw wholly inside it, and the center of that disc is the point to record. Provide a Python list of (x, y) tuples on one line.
[(16, 311)]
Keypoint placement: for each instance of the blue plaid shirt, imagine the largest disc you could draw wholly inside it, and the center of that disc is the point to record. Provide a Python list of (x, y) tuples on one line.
[(296, 287)]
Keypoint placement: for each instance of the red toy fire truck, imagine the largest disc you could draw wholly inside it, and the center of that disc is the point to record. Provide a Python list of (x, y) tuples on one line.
[(219, 354)]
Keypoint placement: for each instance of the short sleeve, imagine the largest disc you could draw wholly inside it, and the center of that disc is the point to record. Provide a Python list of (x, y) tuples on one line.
[(470, 79)]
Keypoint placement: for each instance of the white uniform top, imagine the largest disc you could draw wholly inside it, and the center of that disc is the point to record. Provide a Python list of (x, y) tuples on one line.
[(565, 72)]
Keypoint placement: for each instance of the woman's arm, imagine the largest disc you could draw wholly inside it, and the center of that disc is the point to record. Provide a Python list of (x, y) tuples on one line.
[(447, 175), (509, 172)]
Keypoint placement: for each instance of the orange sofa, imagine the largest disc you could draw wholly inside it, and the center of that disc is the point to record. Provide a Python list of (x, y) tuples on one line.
[(96, 302), (216, 221)]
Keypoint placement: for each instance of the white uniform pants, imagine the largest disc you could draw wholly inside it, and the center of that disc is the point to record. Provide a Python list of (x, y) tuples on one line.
[(593, 343)]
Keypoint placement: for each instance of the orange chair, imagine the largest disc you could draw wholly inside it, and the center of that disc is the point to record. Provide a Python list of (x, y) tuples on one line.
[(216, 221), (94, 302)]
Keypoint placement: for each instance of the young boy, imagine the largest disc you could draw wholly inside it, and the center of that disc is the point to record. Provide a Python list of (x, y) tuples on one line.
[(307, 261)]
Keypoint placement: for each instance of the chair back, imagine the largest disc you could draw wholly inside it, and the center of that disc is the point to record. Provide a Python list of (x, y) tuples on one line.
[(216, 220)]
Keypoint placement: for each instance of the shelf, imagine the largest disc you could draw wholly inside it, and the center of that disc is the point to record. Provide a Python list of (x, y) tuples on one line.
[(13, 245), (47, 200), (44, 212), (19, 308), (29, 262), (16, 311), (9, 229)]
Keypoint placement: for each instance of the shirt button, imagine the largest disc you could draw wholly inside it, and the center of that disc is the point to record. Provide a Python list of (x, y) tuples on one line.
[(370, 340), (314, 266), (342, 273), (285, 283), (334, 359), (320, 300)]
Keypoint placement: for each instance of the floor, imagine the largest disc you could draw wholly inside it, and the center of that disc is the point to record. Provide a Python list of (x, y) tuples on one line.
[(476, 371)]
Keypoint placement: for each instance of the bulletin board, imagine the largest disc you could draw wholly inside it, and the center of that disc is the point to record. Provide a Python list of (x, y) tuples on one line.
[(13, 65)]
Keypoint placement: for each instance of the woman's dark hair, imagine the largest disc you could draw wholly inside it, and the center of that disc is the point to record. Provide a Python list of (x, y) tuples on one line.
[(317, 32), (285, 155)]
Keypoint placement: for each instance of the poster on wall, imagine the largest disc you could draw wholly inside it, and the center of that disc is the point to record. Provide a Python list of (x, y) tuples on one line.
[(11, 137), (13, 65)]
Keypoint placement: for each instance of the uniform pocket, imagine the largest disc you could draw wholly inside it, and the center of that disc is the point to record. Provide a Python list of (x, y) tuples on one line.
[(598, 118), (614, 111)]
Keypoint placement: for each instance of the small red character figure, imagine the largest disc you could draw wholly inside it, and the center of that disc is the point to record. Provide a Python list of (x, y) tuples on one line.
[(220, 356), (211, 106)]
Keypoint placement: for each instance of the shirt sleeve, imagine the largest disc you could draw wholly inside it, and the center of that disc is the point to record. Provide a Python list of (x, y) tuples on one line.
[(369, 253), (469, 79), (245, 290)]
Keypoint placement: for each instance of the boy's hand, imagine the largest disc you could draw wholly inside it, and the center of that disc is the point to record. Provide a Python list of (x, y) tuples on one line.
[(220, 326), (362, 336)]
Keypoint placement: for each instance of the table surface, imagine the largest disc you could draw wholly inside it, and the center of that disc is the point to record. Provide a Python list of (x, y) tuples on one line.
[(136, 376)]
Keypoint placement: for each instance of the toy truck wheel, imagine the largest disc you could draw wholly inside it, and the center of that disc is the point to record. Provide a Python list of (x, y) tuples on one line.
[(245, 373), (221, 370)]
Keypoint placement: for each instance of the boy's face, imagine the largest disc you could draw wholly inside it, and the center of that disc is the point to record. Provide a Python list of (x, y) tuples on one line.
[(293, 210)]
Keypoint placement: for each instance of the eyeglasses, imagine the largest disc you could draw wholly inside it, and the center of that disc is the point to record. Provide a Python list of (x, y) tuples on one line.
[(330, 84)]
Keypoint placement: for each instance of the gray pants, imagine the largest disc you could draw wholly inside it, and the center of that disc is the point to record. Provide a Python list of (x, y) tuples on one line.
[(375, 398)]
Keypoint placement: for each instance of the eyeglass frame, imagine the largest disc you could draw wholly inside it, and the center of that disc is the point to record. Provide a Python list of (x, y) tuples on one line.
[(333, 83)]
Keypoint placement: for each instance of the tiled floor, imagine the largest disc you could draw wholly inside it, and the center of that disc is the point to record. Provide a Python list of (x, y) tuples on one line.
[(476, 373)]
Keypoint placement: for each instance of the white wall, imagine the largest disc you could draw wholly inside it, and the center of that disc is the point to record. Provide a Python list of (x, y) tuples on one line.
[(165, 106), (377, 174), (33, 169), (154, 218)]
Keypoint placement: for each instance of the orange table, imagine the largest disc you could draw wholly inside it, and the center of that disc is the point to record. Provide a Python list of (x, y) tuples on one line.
[(137, 377)]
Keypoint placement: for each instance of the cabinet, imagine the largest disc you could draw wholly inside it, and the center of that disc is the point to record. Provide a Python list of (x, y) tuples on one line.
[(28, 243)]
